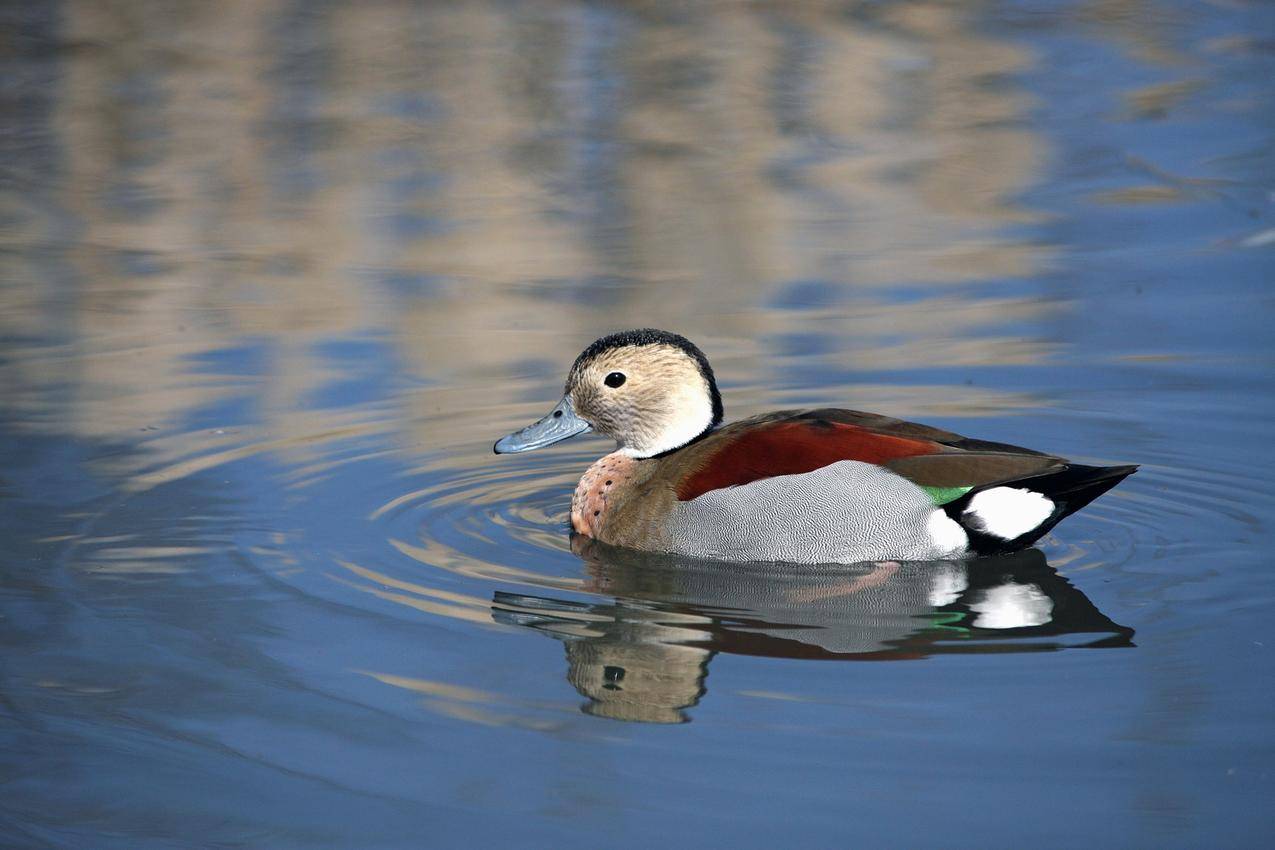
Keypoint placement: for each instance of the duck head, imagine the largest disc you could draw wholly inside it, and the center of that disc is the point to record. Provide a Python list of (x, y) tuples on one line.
[(651, 391)]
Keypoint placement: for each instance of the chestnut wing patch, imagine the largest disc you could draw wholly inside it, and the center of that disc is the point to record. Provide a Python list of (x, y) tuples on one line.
[(796, 446)]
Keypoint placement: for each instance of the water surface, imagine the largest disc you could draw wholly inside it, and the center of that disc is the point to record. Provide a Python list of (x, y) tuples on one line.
[(274, 275)]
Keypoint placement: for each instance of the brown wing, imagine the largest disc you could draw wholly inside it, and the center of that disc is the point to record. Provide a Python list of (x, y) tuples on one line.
[(792, 442), (972, 469)]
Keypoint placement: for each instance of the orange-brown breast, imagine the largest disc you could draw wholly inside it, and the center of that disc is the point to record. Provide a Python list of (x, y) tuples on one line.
[(794, 447), (589, 504)]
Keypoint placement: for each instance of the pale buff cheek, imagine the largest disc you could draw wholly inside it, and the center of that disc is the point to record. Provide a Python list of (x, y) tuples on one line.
[(589, 504)]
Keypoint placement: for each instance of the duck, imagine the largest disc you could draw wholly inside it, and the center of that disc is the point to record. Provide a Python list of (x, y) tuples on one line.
[(815, 486)]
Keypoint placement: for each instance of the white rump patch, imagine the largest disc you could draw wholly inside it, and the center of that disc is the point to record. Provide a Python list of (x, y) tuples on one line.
[(1007, 512), (1012, 606), (946, 534)]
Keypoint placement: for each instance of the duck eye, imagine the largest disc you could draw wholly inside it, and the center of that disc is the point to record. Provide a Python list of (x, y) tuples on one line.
[(614, 380)]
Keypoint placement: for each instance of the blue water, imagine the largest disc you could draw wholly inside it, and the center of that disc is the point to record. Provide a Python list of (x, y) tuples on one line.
[(272, 279)]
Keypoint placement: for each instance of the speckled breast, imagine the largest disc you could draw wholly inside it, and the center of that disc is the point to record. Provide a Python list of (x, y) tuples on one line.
[(589, 504)]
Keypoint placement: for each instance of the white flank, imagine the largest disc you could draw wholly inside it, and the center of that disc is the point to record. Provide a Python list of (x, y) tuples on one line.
[(946, 533), (1012, 606), (1007, 512)]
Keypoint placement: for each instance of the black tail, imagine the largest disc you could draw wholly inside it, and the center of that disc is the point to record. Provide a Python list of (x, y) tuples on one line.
[(1070, 489)]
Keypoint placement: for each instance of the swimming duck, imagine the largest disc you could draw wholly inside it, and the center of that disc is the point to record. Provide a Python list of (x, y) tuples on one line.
[(802, 486)]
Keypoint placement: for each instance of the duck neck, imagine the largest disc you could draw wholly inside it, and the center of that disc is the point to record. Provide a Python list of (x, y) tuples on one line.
[(684, 421)]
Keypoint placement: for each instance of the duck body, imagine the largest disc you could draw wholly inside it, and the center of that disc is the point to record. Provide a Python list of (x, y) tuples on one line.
[(815, 486)]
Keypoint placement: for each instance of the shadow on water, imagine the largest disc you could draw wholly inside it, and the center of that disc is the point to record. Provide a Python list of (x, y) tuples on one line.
[(643, 656)]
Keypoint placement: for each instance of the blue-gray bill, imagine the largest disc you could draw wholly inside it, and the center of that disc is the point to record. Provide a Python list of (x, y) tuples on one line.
[(560, 424)]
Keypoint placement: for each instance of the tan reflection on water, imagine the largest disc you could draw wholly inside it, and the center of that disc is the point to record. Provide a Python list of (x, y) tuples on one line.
[(475, 706), (246, 172), (432, 600)]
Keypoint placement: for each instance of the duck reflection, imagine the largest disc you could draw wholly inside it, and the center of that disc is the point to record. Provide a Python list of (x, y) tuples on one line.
[(643, 656)]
